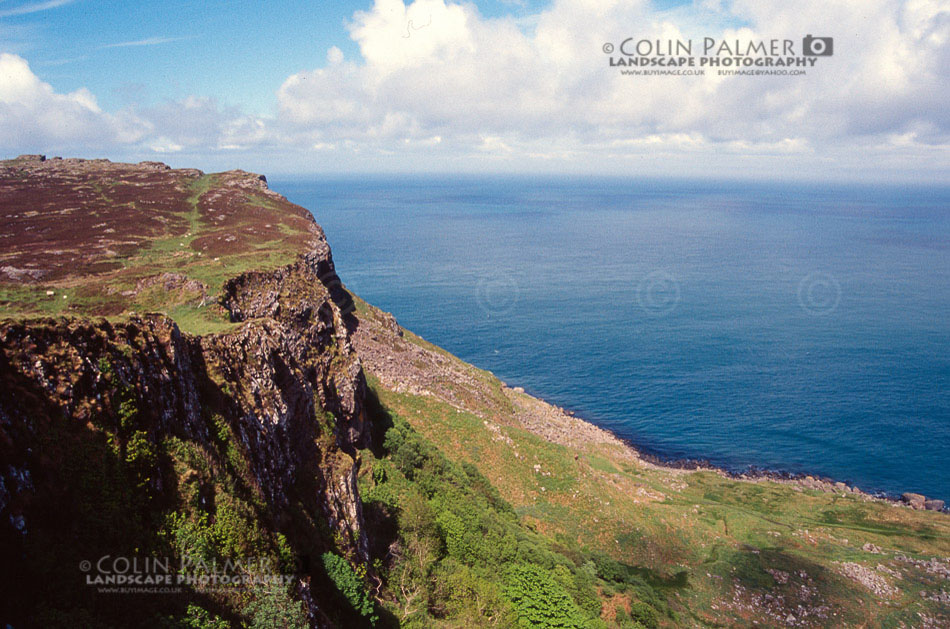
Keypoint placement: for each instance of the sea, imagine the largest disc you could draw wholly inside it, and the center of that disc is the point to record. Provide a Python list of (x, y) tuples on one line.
[(787, 327)]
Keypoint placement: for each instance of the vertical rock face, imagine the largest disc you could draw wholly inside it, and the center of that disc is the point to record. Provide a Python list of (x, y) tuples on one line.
[(307, 302), (293, 360), (286, 381)]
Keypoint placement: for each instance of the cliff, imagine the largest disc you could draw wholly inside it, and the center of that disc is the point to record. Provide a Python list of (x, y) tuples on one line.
[(95, 411), (186, 379)]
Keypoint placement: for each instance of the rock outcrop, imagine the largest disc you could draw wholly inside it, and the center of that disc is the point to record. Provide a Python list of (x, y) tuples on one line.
[(919, 501)]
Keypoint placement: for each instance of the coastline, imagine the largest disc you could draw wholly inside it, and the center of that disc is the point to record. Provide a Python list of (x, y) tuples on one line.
[(752, 473), (288, 421), (772, 385), (407, 363)]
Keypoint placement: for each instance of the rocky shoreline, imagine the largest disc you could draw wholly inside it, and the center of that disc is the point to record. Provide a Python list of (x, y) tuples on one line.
[(799, 480)]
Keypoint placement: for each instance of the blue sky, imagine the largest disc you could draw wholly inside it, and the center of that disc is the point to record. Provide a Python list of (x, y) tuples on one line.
[(491, 85), (238, 52)]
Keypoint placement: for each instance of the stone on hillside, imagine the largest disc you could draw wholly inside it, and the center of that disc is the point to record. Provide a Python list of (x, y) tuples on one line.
[(389, 322)]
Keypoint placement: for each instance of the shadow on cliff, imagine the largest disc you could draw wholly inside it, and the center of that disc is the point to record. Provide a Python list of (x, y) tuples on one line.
[(85, 499), (124, 445), (381, 524), (772, 584)]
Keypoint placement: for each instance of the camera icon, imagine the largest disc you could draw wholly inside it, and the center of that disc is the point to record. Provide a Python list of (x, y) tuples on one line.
[(818, 46)]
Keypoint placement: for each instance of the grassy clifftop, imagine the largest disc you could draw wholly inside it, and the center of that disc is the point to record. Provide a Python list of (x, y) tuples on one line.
[(97, 238)]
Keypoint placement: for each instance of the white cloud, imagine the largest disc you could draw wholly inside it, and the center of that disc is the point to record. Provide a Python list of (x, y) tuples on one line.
[(34, 8), (472, 80), (36, 118), (148, 41), (33, 115), (165, 145), (438, 85)]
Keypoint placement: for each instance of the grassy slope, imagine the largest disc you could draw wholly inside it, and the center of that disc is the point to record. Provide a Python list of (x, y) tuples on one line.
[(723, 550)]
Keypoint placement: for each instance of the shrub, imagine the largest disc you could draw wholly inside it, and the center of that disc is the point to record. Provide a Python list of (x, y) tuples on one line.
[(141, 457), (466, 595), (275, 608), (540, 601), (644, 614), (285, 554), (581, 588), (624, 621), (461, 537), (408, 451), (349, 585), (235, 529), (196, 618), (192, 539)]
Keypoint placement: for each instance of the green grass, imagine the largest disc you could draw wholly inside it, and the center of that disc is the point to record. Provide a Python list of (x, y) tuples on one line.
[(198, 320), (115, 294), (467, 552), (719, 539), (17, 300)]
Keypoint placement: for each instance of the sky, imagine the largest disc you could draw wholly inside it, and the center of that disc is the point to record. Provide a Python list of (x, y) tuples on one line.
[(494, 86)]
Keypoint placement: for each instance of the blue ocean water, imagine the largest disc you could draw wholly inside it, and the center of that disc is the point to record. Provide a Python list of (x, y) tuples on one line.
[(788, 327)]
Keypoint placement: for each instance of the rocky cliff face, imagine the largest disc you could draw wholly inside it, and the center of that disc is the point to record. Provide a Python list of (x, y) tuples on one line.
[(291, 361), (285, 382)]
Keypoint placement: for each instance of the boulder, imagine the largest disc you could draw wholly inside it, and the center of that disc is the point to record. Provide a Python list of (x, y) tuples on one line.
[(914, 500), (934, 505), (389, 322)]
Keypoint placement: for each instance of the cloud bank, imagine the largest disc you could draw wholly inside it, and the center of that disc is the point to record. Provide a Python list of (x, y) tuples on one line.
[(32, 113), (438, 85)]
